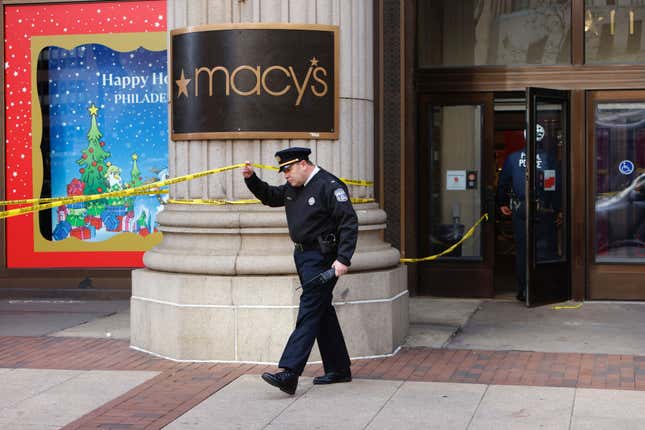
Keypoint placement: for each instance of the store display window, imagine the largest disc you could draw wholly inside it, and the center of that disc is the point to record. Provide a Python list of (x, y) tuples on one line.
[(86, 95)]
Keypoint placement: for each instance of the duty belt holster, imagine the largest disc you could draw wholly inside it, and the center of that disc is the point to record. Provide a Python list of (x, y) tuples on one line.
[(302, 247), (325, 244)]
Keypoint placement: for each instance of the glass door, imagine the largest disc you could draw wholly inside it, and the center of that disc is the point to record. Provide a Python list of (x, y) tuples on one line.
[(455, 189), (616, 196), (547, 184)]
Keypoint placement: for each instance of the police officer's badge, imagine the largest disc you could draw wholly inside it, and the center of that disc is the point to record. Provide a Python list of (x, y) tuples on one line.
[(341, 195), (311, 201), (539, 133)]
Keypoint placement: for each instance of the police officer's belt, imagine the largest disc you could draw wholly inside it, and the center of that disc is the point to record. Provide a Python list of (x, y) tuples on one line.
[(307, 246), (515, 204)]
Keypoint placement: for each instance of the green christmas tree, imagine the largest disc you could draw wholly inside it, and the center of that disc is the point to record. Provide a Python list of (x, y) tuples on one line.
[(135, 173), (92, 160), (142, 221)]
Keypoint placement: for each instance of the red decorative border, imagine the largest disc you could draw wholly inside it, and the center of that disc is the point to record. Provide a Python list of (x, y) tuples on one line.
[(21, 23)]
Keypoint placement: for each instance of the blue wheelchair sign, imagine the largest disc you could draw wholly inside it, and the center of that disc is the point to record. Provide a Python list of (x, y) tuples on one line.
[(626, 167)]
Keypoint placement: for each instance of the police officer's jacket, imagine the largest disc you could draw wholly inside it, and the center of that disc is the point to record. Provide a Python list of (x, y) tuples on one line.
[(315, 210), (512, 180)]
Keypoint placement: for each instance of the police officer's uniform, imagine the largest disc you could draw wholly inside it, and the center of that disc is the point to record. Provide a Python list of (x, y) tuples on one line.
[(324, 227), (511, 192)]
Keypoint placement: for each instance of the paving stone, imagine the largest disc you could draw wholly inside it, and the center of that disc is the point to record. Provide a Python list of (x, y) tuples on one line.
[(69, 398), (115, 326), (19, 385), (615, 328), (181, 387), (40, 323), (337, 406), (605, 409), (442, 311), (247, 403), (429, 336), (519, 407), (430, 405)]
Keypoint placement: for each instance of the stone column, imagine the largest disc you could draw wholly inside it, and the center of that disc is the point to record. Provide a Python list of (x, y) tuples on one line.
[(221, 286)]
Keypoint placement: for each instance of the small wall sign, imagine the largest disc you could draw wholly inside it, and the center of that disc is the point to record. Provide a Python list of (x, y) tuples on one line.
[(626, 167), (455, 180)]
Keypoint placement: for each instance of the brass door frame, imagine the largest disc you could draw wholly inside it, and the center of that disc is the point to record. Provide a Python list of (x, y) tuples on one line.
[(550, 281), (458, 278), (613, 281)]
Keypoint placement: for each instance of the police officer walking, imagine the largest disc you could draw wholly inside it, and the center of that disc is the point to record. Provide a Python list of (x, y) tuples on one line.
[(324, 228)]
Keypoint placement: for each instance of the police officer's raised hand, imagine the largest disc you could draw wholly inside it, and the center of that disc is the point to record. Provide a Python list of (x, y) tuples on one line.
[(247, 170), (340, 268)]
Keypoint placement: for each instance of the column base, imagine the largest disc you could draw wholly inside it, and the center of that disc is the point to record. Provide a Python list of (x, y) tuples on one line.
[(187, 317)]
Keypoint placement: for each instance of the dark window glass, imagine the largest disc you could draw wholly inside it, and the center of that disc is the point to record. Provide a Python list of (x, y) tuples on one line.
[(455, 153), (613, 31), (493, 32), (620, 182)]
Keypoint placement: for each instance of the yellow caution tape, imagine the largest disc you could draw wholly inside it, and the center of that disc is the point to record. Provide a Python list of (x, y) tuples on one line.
[(159, 184), (361, 200), (357, 182), (147, 189), (264, 166), (130, 191), (345, 180), (559, 307), (468, 234), (211, 202), (55, 199), (29, 201), (238, 202), (74, 199), (51, 202)]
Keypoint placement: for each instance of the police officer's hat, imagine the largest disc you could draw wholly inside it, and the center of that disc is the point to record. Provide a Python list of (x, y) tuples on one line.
[(289, 156)]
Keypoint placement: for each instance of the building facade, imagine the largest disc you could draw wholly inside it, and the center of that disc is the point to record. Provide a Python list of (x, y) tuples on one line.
[(453, 86)]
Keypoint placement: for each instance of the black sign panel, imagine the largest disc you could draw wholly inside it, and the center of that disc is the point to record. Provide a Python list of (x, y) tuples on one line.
[(254, 81)]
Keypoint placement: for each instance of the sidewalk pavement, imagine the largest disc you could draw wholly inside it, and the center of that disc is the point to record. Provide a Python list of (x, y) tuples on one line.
[(467, 364)]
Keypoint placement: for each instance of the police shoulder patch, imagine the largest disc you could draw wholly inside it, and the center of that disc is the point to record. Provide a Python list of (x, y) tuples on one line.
[(341, 195)]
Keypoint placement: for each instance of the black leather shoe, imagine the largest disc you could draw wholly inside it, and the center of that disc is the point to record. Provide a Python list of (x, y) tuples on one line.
[(521, 297), (286, 381), (332, 378)]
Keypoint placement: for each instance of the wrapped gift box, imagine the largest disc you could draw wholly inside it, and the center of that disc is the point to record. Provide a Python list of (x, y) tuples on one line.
[(112, 223), (61, 231), (114, 210), (94, 221), (76, 220), (128, 223), (82, 233)]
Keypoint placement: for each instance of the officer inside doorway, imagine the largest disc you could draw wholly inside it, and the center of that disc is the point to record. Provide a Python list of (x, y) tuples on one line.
[(511, 195)]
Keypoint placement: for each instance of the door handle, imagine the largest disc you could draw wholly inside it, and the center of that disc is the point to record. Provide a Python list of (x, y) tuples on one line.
[(490, 203)]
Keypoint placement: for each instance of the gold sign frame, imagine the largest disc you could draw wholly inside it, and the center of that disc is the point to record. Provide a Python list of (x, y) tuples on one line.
[(257, 134)]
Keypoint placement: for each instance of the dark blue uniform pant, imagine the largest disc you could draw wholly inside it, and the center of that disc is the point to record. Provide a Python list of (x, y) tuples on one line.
[(519, 234), (545, 247), (316, 320)]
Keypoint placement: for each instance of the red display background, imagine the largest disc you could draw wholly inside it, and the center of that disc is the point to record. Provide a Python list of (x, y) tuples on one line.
[(21, 23)]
